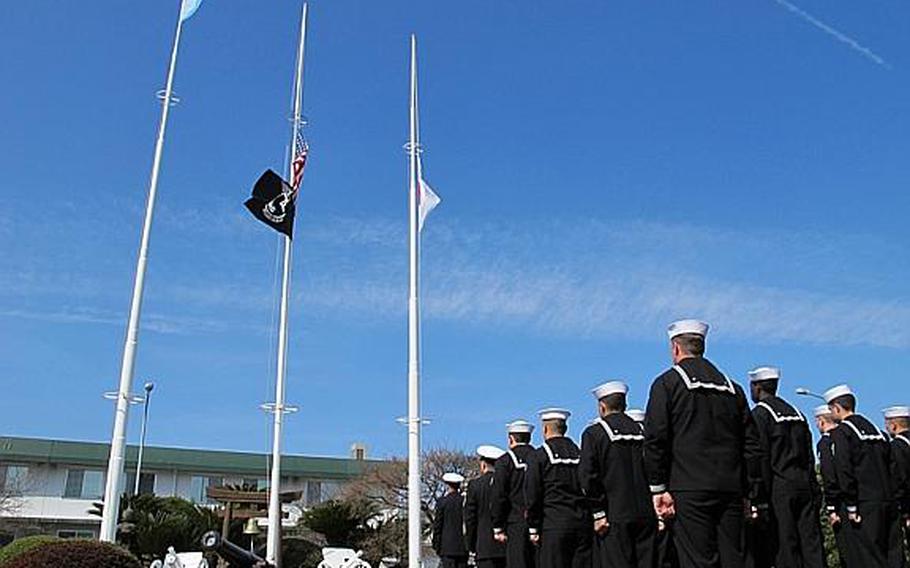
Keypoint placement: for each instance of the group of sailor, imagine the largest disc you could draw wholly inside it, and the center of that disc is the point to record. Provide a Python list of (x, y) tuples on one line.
[(698, 480)]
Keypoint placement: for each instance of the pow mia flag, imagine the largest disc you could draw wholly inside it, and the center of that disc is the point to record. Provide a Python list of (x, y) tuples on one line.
[(274, 201)]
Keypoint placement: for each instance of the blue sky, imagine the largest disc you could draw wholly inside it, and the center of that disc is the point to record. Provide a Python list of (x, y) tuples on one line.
[(605, 167)]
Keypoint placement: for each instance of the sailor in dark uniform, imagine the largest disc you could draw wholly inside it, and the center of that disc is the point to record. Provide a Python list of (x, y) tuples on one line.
[(508, 500), (834, 508), (788, 475), (448, 525), (702, 453), (613, 477), (862, 459), (897, 422), (666, 555), (478, 521), (558, 519)]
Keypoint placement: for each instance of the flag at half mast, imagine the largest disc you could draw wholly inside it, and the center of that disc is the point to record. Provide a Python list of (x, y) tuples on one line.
[(188, 8), (274, 201), (427, 199)]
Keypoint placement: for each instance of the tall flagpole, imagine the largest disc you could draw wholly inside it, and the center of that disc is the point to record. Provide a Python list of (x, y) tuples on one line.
[(118, 439), (273, 541), (414, 508)]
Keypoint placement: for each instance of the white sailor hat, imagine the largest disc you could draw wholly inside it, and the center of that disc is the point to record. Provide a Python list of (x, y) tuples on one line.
[(519, 427), (554, 414), (612, 387), (489, 452), (835, 392), (687, 326), (453, 478), (897, 412), (822, 410), (759, 374), (636, 414)]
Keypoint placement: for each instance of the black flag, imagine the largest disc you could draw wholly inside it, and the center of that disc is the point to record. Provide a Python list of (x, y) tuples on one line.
[(273, 202)]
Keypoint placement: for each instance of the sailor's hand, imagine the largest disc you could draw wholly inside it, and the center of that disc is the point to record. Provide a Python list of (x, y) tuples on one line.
[(601, 526), (535, 539), (663, 505), (758, 512), (855, 517), (500, 536), (834, 518)]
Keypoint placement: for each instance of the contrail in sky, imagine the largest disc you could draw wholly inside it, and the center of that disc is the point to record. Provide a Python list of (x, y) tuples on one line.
[(854, 45)]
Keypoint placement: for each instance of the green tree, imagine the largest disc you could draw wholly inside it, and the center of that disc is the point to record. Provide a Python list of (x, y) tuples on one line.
[(148, 524)]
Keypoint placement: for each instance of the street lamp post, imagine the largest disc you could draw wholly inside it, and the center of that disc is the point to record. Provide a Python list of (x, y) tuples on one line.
[(806, 392), (149, 386)]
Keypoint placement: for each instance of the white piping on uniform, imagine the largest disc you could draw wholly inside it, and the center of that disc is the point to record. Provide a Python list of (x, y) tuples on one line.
[(695, 384), (555, 460), (518, 464), (614, 436), (779, 417), (864, 437)]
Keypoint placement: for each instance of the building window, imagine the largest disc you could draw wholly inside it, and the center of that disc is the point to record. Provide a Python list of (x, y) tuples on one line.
[(84, 484), (330, 490), (76, 534), (146, 483), (313, 493), (198, 485), (14, 478)]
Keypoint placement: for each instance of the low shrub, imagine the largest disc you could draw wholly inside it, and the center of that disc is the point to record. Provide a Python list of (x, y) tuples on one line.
[(75, 554), (22, 545)]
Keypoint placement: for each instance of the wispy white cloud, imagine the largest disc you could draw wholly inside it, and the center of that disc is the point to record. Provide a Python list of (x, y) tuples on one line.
[(838, 35), (568, 277), (594, 279), (158, 323)]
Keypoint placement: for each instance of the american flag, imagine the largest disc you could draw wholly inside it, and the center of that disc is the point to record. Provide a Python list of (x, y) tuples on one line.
[(302, 149)]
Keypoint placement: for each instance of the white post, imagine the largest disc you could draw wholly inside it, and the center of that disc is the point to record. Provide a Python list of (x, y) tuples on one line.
[(273, 539), (118, 439), (414, 509)]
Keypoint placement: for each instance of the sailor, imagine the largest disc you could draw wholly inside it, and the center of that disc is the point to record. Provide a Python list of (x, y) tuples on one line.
[(478, 522), (613, 477), (834, 510), (508, 499), (863, 466), (558, 519), (702, 453), (666, 555), (448, 538), (897, 422), (788, 476)]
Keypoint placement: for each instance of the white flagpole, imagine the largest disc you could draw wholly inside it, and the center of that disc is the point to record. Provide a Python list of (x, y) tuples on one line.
[(118, 439), (414, 508), (273, 540)]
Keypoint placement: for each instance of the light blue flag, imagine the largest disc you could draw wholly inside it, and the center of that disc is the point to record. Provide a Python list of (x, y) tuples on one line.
[(188, 8)]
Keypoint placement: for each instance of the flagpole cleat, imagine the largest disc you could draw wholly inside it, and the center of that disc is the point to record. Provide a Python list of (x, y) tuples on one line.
[(272, 408), (174, 98), (404, 420), (407, 148), (302, 121)]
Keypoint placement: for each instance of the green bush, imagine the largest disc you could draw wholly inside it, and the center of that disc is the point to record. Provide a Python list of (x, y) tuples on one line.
[(75, 554), (21, 545)]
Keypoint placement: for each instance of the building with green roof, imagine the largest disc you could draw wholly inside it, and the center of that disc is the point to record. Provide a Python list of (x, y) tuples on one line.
[(57, 481)]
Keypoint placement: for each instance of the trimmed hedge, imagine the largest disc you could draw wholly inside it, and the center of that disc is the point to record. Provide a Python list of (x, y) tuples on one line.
[(75, 554), (22, 545)]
